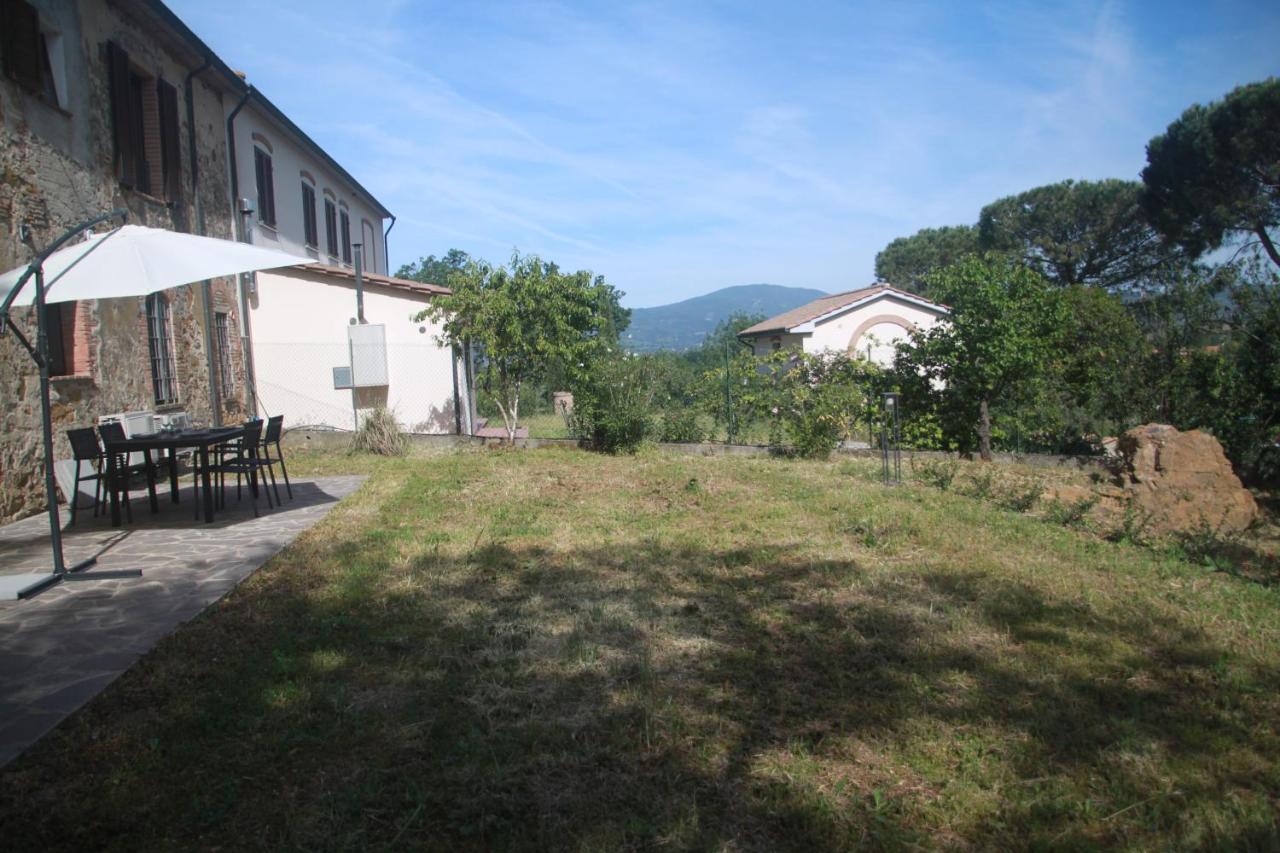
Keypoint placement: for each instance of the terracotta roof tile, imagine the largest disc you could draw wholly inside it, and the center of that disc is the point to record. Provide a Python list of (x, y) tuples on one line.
[(378, 279), (825, 305)]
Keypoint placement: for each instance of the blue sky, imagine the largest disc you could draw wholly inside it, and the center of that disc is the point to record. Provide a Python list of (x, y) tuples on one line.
[(681, 147)]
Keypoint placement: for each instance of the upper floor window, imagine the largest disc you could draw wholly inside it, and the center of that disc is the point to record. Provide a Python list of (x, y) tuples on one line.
[(144, 112), (164, 369), (370, 245), (331, 227), (266, 187), (346, 237), (32, 53), (309, 231)]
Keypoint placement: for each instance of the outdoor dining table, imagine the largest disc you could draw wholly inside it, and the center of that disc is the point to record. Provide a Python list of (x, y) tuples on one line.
[(199, 440)]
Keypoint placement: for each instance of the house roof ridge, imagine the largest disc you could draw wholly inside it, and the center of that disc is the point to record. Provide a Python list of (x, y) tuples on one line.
[(824, 305)]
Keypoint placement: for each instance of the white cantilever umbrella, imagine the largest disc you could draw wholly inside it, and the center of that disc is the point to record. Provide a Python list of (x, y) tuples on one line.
[(129, 260), (132, 260)]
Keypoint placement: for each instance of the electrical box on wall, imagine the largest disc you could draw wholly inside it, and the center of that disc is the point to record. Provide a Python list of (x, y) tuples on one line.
[(368, 343)]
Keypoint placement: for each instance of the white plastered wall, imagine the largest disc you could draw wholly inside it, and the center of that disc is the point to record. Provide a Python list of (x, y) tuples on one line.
[(880, 323), (299, 323)]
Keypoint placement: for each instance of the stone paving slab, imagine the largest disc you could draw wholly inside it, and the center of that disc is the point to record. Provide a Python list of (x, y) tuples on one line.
[(61, 647)]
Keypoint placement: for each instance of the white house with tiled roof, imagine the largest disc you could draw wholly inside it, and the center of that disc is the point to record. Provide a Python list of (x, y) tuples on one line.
[(868, 322)]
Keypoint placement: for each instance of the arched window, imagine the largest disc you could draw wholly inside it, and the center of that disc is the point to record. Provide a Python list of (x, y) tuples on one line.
[(370, 240), (264, 177), (344, 216), (164, 372)]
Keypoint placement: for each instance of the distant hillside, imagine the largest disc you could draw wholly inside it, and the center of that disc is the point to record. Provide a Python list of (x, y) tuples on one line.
[(682, 325)]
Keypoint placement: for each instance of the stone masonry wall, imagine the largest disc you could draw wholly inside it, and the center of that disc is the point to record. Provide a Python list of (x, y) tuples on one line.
[(56, 169)]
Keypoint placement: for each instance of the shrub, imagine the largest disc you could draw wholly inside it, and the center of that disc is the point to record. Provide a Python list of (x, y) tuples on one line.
[(612, 404), (380, 433), (819, 398), (1132, 528), (679, 425), (1069, 513), (982, 483), (939, 473), (1019, 497)]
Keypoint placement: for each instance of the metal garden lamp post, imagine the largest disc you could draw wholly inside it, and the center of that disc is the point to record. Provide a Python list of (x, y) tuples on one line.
[(891, 440)]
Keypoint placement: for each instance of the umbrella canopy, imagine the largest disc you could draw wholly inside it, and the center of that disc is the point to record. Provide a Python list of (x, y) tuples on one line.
[(133, 260)]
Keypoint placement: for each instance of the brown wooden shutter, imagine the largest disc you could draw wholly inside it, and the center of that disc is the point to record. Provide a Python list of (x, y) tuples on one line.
[(54, 326), (271, 193), (21, 33), (122, 119), (170, 150)]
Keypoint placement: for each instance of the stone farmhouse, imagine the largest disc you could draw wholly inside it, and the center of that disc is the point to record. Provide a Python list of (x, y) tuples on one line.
[(119, 104), (868, 322)]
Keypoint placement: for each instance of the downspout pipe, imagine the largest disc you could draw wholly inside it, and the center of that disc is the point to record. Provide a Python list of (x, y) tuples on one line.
[(206, 286), (359, 259), (386, 245), (242, 234)]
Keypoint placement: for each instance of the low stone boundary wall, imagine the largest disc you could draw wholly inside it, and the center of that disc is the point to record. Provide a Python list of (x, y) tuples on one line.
[(336, 440)]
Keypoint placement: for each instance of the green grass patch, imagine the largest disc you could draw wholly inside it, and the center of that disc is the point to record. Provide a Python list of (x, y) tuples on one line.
[(559, 650)]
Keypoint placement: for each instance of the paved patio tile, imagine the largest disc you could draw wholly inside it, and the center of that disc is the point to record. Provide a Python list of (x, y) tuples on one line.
[(61, 647)]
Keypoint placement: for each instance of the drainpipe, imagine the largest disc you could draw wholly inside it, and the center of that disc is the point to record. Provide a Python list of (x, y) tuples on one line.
[(386, 247), (206, 286), (242, 234), (359, 253)]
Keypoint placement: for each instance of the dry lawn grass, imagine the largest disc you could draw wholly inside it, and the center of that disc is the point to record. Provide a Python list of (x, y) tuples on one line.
[(556, 650)]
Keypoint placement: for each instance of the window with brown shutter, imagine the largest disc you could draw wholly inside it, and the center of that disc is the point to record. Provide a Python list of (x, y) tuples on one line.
[(144, 114), (266, 187), (346, 237), (55, 325), (170, 149), (22, 42), (309, 235), (331, 227)]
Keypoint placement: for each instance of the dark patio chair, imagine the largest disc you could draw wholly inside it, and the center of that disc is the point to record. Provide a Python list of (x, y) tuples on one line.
[(271, 438), (242, 460), (87, 452), (111, 432)]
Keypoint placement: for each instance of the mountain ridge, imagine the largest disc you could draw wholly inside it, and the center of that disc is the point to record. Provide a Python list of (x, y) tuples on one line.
[(682, 325)]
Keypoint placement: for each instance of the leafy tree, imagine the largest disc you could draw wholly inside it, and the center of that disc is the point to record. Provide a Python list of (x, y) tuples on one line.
[(997, 341), (523, 320), (1076, 232), (907, 261), (433, 270), (1215, 172), (1253, 354), (1181, 311)]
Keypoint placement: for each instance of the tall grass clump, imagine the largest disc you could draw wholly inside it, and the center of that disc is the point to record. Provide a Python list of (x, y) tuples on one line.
[(380, 433)]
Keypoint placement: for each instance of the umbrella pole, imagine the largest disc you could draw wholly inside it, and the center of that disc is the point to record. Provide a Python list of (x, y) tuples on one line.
[(40, 355)]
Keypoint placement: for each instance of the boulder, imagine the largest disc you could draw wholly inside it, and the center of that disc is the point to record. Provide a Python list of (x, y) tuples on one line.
[(1182, 481)]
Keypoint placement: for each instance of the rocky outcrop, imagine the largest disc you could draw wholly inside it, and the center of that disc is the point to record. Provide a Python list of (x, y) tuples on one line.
[(1181, 481)]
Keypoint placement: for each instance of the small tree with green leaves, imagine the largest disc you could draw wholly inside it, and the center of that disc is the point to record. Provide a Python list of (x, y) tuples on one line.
[(997, 341), (523, 321)]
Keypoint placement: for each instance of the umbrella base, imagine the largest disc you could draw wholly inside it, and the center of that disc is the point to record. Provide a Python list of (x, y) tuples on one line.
[(13, 587)]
